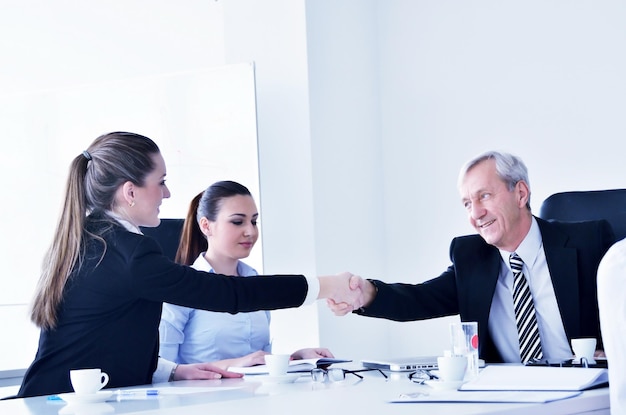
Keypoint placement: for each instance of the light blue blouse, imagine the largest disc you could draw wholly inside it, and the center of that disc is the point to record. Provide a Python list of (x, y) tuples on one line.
[(190, 335)]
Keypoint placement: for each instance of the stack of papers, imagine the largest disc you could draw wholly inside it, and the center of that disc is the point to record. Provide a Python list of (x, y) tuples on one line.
[(540, 378), (517, 384), (302, 365)]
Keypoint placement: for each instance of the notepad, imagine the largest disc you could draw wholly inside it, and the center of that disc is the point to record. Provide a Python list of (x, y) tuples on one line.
[(301, 365), (525, 378)]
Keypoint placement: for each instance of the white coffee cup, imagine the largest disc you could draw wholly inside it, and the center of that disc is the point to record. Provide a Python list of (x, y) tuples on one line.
[(277, 364), (88, 381), (451, 368), (584, 347)]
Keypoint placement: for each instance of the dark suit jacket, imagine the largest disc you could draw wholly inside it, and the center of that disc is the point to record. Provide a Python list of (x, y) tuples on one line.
[(573, 252), (110, 314)]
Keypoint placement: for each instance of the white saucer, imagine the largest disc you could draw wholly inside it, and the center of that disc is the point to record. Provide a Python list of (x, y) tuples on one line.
[(288, 378), (441, 385), (99, 396)]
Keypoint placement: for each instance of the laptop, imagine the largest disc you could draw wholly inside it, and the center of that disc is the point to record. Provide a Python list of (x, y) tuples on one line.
[(402, 364)]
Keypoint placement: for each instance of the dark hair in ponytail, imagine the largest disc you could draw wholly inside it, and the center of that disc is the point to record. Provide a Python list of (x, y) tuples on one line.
[(94, 177), (205, 205)]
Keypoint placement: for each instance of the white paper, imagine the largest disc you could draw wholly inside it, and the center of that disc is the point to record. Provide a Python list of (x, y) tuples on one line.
[(491, 396), (536, 378)]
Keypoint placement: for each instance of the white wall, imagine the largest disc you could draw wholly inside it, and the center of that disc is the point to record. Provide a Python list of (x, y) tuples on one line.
[(347, 160), (72, 42), (273, 35)]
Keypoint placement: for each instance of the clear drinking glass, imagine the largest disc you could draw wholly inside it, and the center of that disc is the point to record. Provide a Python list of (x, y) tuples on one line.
[(464, 342)]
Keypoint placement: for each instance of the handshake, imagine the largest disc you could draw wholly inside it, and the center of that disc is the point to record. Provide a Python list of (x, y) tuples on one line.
[(346, 292)]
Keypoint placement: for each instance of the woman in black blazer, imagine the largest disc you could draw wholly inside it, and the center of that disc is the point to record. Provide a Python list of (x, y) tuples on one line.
[(99, 297)]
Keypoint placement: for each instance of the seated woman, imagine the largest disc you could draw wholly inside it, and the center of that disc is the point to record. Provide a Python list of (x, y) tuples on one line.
[(220, 229)]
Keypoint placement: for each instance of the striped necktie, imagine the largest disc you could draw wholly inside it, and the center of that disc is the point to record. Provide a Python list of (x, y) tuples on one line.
[(527, 328)]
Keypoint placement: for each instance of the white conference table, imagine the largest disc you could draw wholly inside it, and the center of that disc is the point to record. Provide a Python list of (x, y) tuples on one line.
[(254, 395)]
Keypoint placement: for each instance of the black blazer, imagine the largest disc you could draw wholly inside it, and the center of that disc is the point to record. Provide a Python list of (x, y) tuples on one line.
[(573, 252), (110, 314)]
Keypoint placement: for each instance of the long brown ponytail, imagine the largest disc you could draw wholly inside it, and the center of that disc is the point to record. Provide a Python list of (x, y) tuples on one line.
[(94, 177)]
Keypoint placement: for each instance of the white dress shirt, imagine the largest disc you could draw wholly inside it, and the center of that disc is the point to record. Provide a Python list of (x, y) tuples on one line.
[(612, 306), (502, 326), (190, 335)]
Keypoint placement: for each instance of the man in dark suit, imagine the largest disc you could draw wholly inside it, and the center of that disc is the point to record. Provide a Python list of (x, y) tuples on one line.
[(560, 261)]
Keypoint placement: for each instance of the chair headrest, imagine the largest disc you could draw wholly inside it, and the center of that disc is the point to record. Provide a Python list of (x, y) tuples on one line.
[(578, 206)]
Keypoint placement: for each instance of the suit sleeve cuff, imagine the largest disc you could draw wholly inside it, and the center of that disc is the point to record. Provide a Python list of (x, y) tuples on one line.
[(362, 310)]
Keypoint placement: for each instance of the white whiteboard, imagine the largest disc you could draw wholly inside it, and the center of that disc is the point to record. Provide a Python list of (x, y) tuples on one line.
[(203, 121)]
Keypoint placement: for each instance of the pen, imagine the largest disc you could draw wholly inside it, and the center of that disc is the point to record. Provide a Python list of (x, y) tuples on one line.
[(145, 392)]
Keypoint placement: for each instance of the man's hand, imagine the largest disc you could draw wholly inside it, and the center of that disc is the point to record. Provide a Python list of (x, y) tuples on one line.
[(343, 288), (366, 293)]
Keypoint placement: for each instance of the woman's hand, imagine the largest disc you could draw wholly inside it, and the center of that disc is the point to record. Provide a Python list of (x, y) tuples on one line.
[(344, 289), (365, 290), (311, 353), (254, 358), (202, 371)]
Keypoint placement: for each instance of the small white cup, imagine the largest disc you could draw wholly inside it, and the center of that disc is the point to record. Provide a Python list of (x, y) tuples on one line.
[(584, 348), (451, 368), (88, 381), (277, 364)]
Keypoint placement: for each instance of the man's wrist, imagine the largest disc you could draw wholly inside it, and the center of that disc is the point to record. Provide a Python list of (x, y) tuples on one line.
[(371, 290)]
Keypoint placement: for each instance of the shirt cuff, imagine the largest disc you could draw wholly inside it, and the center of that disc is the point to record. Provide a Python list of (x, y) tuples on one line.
[(314, 290), (163, 370)]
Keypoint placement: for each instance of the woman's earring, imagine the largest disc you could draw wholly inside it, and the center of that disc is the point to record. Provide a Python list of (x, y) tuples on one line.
[(132, 203)]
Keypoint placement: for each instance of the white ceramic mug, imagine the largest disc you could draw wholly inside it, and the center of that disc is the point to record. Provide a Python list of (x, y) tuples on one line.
[(88, 381), (584, 348), (451, 368), (277, 364)]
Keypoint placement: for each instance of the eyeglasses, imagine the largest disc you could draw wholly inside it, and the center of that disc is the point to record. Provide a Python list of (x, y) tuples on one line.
[(421, 376), (337, 374)]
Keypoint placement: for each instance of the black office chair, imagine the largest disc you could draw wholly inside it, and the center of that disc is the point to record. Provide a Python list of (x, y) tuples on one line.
[(167, 235), (579, 206)]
